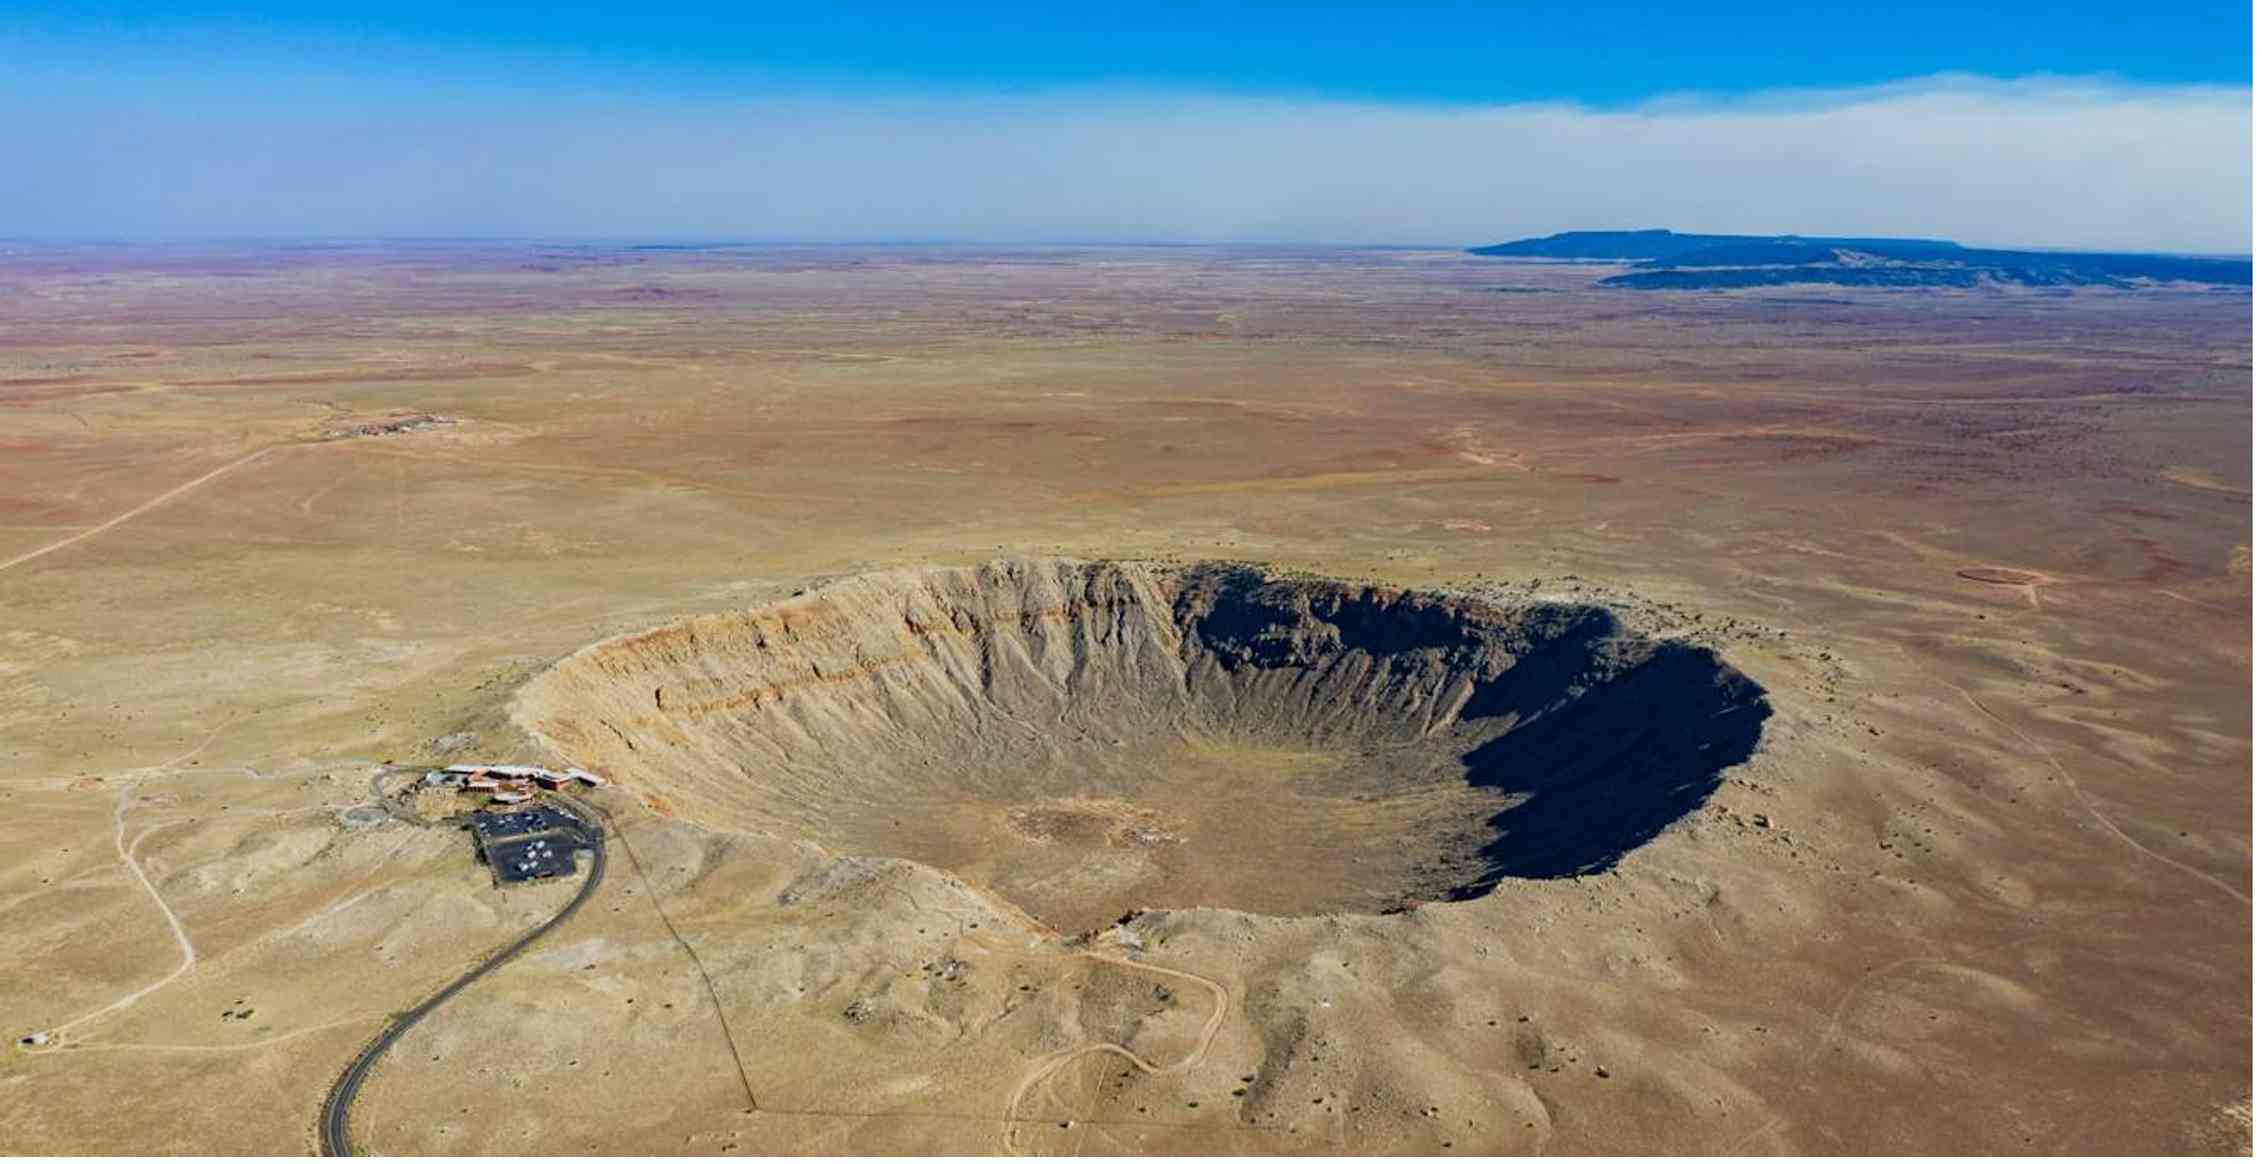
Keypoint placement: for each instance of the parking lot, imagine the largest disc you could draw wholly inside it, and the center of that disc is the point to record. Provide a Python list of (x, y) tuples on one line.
[(529, 844), (531, 858), (491, 826)]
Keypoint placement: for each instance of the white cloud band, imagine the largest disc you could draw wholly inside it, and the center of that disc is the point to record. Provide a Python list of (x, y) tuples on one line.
[(2044, 162)]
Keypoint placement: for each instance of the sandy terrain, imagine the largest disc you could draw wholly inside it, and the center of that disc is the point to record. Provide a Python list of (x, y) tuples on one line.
[(272, 519)]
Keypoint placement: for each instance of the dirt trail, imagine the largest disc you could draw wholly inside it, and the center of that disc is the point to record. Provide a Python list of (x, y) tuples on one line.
[(136, 511), (126, 797), (2073, 789), (1051, 1064), (1828, 1036), (2082, 799), (172, 919), (271, 1040)]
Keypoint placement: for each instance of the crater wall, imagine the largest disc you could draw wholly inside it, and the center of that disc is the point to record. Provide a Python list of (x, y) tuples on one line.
[(1090, 737)]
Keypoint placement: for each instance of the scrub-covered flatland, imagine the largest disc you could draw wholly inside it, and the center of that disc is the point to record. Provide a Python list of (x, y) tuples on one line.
[(1122, 700)]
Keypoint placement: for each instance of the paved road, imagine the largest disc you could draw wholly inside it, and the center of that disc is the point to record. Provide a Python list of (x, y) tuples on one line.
[(339, 1103)]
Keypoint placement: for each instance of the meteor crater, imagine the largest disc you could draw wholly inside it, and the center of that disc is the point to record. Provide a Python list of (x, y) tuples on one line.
[(1088, 737)]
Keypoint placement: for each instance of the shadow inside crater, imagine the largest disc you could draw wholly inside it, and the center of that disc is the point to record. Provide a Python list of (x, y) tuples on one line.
[(1599, 739), (1605, 773)]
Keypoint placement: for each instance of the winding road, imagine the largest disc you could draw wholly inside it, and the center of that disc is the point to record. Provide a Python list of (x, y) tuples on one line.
[(1046, 1067), (338, 1104)]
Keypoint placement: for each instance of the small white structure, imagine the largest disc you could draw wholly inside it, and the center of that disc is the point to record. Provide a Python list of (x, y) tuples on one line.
[(511, 797), (589, 778)]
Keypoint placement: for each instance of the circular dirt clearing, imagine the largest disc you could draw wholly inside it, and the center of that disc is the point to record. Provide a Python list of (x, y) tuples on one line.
[(1086, 738), (2001, 576)]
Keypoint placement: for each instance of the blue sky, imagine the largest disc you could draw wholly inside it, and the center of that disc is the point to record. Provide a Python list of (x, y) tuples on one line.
[(1600, 52), (2075, 124)]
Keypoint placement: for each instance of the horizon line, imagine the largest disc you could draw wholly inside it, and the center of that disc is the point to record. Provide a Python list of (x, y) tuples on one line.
[(665, 243)]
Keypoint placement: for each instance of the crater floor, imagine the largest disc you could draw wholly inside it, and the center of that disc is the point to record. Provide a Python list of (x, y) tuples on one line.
[(1089, 738)]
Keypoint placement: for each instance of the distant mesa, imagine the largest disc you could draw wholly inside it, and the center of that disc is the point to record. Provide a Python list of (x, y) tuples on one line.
[(1666, 244), (1665, 260)]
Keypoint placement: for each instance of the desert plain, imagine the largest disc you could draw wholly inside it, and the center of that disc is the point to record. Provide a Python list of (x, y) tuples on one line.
[(283, 526)]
